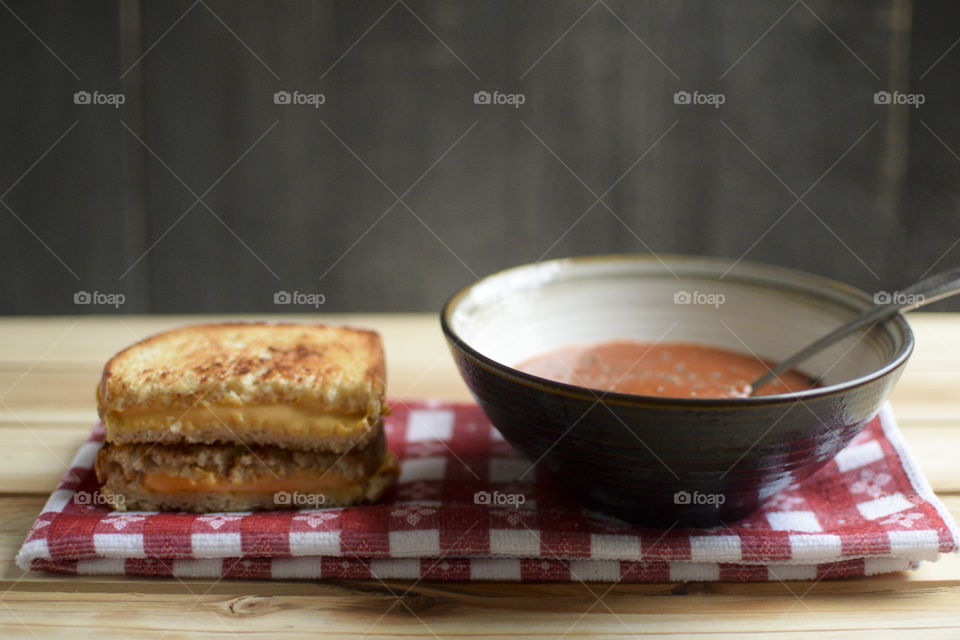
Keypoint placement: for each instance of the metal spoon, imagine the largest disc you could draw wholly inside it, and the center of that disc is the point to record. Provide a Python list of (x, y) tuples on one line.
[(937, 287)]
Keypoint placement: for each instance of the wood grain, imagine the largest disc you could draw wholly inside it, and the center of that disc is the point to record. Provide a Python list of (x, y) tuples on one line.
[(48, 368), (798, 80)]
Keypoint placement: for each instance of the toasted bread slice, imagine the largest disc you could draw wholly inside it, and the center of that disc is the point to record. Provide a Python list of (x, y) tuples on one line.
[(230, 477), (305, 386)]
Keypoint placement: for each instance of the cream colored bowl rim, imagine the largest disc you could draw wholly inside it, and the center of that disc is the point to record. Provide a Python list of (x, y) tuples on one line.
[(751, 273)]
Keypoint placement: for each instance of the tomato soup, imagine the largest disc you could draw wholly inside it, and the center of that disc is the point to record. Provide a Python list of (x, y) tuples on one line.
[(675, 370)]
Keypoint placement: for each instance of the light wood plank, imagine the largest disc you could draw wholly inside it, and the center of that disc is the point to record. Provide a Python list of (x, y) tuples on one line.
[(49, 367), (539, 613)]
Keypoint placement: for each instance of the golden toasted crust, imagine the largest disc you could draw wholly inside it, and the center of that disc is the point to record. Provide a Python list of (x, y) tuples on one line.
[(321, 370)]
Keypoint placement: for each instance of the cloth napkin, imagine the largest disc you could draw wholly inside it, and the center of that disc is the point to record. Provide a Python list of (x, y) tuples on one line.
[(466, 508)]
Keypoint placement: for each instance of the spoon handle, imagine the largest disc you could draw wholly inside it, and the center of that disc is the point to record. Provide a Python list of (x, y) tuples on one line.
[(928, 290)]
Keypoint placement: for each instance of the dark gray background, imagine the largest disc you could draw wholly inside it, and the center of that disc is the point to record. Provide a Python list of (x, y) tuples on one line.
[(302, 196)]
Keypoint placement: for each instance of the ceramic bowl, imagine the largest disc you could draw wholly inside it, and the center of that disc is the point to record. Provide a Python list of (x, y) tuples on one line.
[(662, 461)]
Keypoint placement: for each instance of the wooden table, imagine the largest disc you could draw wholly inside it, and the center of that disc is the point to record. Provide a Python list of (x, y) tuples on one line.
[(49, 368)]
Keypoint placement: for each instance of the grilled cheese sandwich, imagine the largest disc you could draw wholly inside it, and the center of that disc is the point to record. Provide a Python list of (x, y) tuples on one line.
[(263, 407)]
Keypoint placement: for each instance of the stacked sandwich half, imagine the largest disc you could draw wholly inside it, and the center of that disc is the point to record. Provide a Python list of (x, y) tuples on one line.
[(236, 416)]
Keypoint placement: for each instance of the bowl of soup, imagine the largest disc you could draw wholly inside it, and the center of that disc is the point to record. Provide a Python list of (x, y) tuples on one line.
[(627, 377)]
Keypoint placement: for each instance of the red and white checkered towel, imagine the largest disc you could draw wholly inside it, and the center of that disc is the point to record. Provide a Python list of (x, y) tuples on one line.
[(868, 511)]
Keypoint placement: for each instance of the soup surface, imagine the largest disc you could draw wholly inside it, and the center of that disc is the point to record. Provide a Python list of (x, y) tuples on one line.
[(676, 370)]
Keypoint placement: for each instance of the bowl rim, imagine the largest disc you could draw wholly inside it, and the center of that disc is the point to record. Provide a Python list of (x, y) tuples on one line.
[(614, 397)]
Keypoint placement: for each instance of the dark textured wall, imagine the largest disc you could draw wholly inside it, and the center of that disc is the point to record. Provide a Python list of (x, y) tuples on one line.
[(200, 194)]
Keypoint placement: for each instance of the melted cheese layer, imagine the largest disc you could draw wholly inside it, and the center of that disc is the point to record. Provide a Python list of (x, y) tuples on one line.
[(160, 482), (280, 419)]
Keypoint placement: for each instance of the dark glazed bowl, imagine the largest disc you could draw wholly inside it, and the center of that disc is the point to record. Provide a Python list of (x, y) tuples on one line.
[(663, 461)]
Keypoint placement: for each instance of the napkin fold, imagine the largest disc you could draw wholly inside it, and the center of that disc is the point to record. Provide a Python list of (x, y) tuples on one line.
[(467, 506)]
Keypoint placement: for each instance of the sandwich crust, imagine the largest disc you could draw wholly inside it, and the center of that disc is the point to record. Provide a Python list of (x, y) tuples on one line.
[(302, 385)]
